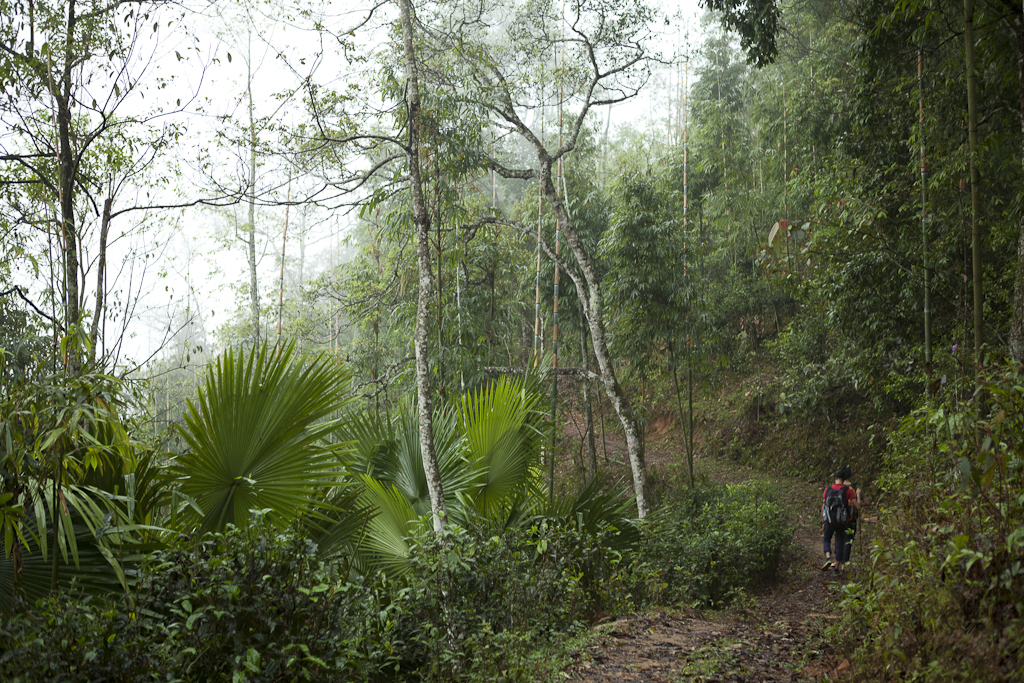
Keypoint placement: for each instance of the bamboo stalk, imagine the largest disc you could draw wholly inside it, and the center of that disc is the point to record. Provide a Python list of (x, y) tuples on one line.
[(540, 208), (924, 225), (558, 253), (972, 138), (686, 201)]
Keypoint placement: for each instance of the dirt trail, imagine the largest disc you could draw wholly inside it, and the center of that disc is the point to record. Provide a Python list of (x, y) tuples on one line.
[(775, 636)]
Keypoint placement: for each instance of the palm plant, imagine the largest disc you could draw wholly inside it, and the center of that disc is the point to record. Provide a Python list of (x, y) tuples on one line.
[(595, 510), (504, 431), (488, 447), (258, 438), (387, 468)]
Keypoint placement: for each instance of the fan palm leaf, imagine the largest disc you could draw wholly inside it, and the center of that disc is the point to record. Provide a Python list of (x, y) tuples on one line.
[(257, 437), (407, 473), (94, 572), (386, 544), (487, 447), (389, 451), (370, 440), (599, 508), (503, 431)]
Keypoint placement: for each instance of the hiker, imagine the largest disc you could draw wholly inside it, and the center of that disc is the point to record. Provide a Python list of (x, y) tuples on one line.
[(839, 499), (851, 524)]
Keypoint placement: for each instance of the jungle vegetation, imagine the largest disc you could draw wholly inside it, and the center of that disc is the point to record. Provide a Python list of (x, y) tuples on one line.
[(364, 473)]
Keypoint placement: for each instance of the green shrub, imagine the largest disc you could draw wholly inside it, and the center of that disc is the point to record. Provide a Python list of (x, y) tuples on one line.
[(489, 605), (254, 605), (709, 545), (258, 605), (943, 597), (477, 604), (91, 639)]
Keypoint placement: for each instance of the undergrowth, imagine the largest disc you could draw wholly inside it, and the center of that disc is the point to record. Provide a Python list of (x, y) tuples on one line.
[(478, 604), (943, 596), (710, 544)]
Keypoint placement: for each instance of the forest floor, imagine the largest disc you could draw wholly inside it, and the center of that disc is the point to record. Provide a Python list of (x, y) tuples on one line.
[(775, 634)]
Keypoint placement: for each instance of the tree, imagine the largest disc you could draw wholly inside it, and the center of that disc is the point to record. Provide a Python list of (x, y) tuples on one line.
[(237, 26), (81, 146), (607, 63), (371, 165), (655, 300), (972, 165), (1013, 13), (46, 89), (421, 223), (757, 22)]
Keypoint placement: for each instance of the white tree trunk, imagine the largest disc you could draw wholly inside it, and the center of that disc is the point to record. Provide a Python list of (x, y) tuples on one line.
[(421, 219), (593, 303)]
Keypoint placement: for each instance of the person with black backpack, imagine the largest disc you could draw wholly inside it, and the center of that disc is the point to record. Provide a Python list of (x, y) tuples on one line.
[(839, 500)]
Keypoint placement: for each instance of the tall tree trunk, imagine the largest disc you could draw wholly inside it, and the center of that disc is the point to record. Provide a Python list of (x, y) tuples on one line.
[(421, 220), (301, 278), (972, 140), (585, 362), (593, 304), (101, 268), (685, 424), (284, 242), (254, 292), (1016, 341), (924, 227), (66, 186)]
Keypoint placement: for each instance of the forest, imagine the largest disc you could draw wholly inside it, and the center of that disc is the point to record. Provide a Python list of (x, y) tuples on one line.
[(462, 340)]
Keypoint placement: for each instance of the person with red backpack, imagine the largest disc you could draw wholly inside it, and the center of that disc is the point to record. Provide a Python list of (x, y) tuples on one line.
[(839, 503)]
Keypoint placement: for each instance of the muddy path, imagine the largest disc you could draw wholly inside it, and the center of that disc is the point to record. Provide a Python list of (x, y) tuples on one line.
[(777, 634)]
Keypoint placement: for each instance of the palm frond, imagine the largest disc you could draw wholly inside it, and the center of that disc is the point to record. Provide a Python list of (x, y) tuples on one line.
[(598, 508), (97, 547), (386, 544), (342, 534), (390, 452), (370, 442), (93, 574), (503, 433), (256, 437), (407, 474)]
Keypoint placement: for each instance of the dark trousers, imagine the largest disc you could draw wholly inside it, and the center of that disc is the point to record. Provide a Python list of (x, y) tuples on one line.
[(842, 553)]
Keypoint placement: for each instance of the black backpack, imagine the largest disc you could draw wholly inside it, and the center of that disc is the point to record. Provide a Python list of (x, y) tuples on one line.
[(836, 510)]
